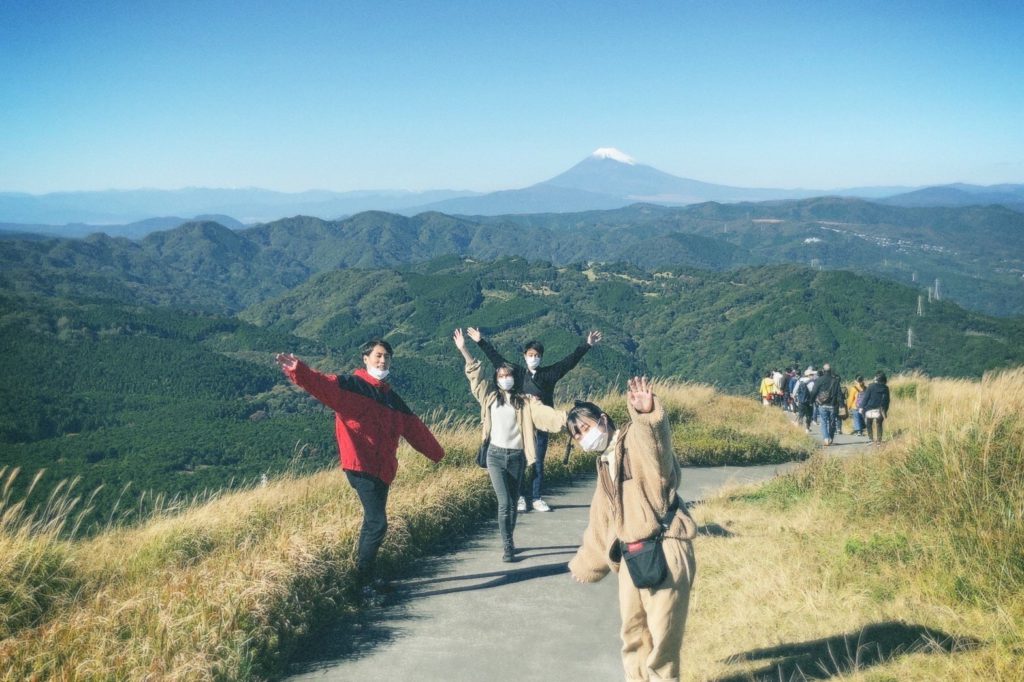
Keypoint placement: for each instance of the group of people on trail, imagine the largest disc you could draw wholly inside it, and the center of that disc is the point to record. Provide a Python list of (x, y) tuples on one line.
[(819, 396), (638, 526)]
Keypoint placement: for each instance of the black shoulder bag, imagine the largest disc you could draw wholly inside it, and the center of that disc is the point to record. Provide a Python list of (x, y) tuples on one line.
[(481, 454), (645, 559)]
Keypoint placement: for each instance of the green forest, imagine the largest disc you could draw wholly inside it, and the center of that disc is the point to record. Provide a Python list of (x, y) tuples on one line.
[(133, 399), (143, 370)]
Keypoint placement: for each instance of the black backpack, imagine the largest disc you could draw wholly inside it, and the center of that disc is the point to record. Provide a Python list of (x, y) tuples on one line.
[(801, 393), (827, 394)]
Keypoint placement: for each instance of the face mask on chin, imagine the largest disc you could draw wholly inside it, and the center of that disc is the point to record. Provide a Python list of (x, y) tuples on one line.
[(378, 374), (506, 383), (532, 361), (595, 439)]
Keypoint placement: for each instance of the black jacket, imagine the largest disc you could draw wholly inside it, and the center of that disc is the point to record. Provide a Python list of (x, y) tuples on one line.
[(828, 385), (876, 396), (541, 382)]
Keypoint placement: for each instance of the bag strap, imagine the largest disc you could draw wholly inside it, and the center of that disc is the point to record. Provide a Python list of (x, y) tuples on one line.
[(666, 520)]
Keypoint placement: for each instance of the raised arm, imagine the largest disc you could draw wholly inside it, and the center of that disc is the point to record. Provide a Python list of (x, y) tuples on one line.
[(323, 387), (474, 370), (563, 366), (649, 429), (460, 343), (490, 351)]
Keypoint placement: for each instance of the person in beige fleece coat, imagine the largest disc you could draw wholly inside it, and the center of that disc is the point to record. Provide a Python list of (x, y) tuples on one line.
[(509, 421), (637, 479)]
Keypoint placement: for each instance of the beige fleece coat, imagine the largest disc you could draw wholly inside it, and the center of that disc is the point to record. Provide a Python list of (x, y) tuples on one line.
[(628, 508), (532, 416)]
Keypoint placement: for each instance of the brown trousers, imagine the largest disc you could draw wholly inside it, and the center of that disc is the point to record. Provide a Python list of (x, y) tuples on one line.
[(653, 621)]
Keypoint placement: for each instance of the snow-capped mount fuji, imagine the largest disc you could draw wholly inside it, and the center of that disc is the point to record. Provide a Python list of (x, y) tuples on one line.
[(608, 178)]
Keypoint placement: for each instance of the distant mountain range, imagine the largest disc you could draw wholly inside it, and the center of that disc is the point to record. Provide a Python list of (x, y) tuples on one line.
[(607, 179), (249, 206), (977, 252), (1011, 196)]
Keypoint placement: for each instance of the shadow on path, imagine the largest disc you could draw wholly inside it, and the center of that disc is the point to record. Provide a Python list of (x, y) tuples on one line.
[(364, 630), (840, 655), (497, 579)]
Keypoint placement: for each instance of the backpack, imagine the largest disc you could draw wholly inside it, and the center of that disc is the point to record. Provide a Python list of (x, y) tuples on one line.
[(827, 394), (801, 393), (859, 403)]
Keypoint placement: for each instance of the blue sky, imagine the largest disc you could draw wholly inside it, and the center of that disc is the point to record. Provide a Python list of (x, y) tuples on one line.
[(494, 95)]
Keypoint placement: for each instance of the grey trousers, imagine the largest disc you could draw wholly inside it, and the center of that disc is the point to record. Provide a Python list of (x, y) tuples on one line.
[(505, 467)]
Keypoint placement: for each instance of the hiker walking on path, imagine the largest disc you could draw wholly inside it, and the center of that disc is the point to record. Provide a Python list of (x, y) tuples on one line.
[(369, 419), (802, 399), (510, 421), (827, 395), (852, 406), (636, 514), (540, 382), (875, 404), (767, 389)]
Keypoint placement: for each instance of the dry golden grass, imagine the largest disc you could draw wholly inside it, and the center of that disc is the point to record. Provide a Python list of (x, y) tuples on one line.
[(921, 540), (787, 580), (924, 534), (224, 588)]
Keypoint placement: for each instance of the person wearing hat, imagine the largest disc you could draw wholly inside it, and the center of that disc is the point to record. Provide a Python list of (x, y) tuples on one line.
[(801, 398)]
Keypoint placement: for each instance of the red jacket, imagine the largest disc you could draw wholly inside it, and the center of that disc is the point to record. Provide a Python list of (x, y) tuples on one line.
[(369, 418)]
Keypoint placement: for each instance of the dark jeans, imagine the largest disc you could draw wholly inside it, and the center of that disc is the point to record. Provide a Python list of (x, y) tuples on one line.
[(505, 467), (538, 467), (804, 413), (828, 421), (373, 494), (875, 428)]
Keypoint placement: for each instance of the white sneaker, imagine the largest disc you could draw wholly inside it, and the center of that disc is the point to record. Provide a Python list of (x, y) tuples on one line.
[(540, 505), (521, 504)]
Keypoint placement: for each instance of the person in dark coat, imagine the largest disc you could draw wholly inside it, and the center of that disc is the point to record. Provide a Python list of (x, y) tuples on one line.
[(875, 405), (827, 395)]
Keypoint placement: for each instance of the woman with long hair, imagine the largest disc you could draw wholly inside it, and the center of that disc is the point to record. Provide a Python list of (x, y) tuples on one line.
[(509, 422)]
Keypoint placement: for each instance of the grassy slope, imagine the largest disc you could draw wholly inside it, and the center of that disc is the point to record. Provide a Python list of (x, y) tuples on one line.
[(225, 589), (921, 542)]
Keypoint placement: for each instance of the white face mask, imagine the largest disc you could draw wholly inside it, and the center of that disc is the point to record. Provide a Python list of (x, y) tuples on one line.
[(594, 439), (533, 361), (506, 383), (378, 374)]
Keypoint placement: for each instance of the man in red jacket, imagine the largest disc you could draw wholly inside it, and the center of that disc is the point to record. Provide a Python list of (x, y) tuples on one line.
[(369, 418)]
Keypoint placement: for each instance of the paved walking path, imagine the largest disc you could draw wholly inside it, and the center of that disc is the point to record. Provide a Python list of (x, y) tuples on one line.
[(470, 617)]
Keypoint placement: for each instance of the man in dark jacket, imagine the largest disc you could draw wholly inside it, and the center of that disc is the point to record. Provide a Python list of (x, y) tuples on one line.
[(827, 394), (369, 420), (540, 382)]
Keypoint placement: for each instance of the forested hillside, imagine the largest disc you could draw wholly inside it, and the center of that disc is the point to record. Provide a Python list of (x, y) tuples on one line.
[(150, 362), (165, 401), (181, 402), (977, 252)]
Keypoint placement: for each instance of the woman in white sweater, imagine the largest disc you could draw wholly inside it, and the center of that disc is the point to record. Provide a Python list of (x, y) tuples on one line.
[(509, 421)]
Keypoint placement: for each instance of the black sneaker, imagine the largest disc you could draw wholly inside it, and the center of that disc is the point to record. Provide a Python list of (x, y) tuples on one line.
[(509, 554)]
